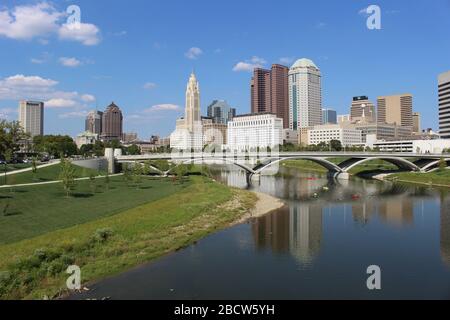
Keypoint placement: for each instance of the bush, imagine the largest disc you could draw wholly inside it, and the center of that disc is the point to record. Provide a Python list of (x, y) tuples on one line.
[(102, 235)]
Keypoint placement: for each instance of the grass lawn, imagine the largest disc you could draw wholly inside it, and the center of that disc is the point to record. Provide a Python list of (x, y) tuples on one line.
[(40, 209), (50, 173), (36, 267), (13, 167), (441, 177), (367, 166)]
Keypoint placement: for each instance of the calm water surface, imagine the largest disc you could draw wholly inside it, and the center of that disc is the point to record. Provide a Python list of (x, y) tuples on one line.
[(316, 247)]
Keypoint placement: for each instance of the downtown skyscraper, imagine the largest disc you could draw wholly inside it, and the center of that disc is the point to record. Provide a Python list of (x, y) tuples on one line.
[(31, 117), (444, 105), (269, 92), (305, 95)]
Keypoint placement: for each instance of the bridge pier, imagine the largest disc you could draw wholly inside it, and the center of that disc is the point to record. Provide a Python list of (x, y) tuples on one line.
[(340, 175)]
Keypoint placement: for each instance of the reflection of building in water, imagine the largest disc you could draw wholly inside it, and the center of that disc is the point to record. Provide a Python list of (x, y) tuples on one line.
[(272, 231), (363, 211), (297, 230), (305, 231), (445, 231), (397, 210)]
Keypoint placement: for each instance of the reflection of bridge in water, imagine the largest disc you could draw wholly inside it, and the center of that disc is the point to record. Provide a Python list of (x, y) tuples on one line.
[(262, 162)]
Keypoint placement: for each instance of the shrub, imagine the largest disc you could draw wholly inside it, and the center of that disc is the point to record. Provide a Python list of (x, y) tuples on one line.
[(102, 235)]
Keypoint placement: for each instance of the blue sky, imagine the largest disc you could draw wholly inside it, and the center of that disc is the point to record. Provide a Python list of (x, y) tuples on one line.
[(139, 54)]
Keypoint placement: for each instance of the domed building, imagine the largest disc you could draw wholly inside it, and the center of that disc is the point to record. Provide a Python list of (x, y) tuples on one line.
[(305, 95)]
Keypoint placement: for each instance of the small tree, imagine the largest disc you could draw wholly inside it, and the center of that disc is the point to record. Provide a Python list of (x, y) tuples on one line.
[(180, 172), (92, 182), (442, 164), (126, 173), (137, 174), (146, 169), (107, 180), (67, 176), (34, 168)]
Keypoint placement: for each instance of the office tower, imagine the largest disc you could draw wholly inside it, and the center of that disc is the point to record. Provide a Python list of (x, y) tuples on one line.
[(252, 131), (444, 105), (329, 116), (189, 130), (362, 110), (305, 95), (416, 122), (269, 92), (280, 93), (396, 109), (112, 123), (260, 91), (93, 122), (129, 137), (221, 112), (31, 117)]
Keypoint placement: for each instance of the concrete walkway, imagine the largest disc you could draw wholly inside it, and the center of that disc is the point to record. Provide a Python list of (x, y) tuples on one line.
[(51, 163), (53, 182)]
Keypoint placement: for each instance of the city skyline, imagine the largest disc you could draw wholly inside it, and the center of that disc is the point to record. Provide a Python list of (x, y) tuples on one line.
[(74, 74)]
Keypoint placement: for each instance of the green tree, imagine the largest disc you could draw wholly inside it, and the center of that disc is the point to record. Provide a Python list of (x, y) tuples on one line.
[(92, 182), (67, 176), (34, 167), (133, 150), (336, 145), (137, 174), (107, 180), (126, 173), (55, 145), (442, 164), (180, 171)]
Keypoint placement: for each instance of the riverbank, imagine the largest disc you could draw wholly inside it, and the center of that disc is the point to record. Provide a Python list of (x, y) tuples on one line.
[(35, 268), (438, 178)]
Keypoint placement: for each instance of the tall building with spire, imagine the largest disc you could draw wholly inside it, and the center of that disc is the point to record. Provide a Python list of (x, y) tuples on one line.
[(189, 130)]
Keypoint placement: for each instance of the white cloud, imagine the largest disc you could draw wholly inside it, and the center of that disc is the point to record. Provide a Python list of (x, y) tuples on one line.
[(193, 53), (88, 98), (60, 103), (37, 61), (74, 114), (70, 62), (26, 22), (163, 107), (320, 25), (150, 85), (86, 33), (250, 65), (119, 33)]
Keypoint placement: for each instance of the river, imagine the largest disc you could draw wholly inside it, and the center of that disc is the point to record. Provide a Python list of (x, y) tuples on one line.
[(318, 246)]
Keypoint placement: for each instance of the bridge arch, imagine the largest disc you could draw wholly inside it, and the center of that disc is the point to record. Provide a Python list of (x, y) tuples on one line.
[(229, 161), (330, 166), (401, 163), (435, 163)]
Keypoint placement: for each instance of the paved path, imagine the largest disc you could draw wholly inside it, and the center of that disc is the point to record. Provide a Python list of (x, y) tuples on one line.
[(52, 163), (53, 182)]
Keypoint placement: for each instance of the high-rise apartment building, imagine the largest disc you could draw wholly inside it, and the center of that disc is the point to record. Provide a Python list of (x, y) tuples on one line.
[(444, 105), (269, 92), (31, 117), (93, 123), (221, 112), (305, 95), (396, 109), (112, 123), (362, 110), (417, 126), (329, 116)]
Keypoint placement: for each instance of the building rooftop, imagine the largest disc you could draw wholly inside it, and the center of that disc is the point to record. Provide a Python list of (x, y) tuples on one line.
[(304, 63)]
